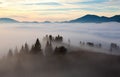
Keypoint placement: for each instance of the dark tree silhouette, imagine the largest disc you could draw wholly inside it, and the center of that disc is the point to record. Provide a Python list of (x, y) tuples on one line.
[(59, 38), (37, 45), (26, 48), (60, 51), (22, 50), (36, 48), (32, 48), (10, 53), (50, 38), (48, 49), (114, 46), (90, 44)]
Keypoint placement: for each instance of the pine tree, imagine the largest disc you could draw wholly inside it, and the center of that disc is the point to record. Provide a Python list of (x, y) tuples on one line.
[(10, 53), (37, 47), (32, 49), (22, 50), (50, 38), (60, 50), (26, 48), (48, 49)]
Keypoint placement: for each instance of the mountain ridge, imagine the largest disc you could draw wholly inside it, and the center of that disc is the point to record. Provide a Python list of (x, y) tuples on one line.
[(89, 18), (8, 20)]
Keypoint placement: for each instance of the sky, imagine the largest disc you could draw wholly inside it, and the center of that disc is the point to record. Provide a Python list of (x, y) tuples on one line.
[(56, 10)]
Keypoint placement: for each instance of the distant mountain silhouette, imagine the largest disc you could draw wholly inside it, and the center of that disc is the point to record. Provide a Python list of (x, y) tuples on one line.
[(29, 22), (115, 18), (85, 19), (46, 22), (96, 19), (7, 20)]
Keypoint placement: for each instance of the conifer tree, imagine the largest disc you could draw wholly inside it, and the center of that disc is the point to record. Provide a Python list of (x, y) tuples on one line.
[(60, 50), (22, 50), (10, 53), (26, 48), (16, 51), (48, 49), (37, 47)]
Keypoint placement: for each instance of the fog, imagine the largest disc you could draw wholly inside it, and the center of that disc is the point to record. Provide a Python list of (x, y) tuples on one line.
[(71, 57), (16, 34), (75, 64)]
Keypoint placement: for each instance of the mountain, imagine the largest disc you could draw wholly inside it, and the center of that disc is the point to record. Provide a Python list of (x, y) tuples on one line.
[(96, 19), (85, 19), (29, 22), (46, 22), (115, 18), (7, 20)]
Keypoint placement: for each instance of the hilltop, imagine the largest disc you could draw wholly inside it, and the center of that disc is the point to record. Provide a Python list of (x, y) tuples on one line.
[(95, 19)]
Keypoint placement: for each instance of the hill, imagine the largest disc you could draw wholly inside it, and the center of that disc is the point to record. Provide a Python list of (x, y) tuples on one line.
[(96, 19), (8, 20)]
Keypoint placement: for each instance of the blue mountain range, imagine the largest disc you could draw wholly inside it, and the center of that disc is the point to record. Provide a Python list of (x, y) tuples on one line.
[(8, 20), (96, 19), (85, 19)]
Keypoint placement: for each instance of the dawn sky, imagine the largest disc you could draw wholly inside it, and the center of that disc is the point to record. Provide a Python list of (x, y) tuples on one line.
[(56, 10)]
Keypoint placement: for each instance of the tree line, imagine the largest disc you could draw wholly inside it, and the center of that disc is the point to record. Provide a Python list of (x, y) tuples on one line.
[(36, 48)]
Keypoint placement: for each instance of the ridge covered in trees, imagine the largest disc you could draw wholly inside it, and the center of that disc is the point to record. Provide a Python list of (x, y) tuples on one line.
[(55, 60), (36, 48)]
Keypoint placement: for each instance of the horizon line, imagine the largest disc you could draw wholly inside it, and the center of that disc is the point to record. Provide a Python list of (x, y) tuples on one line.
[(57, 21)]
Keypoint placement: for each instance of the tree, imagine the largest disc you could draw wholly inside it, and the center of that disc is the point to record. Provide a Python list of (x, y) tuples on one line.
[(26, 48), (50, 38), (60, 50), (22, 50), (10, 53), (59, 38), (48, 49), (37, 47), (32, 49)]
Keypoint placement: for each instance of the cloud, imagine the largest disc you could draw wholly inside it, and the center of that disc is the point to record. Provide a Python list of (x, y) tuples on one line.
[(89, 9), (18, 16), (88, 2), (63, 9), (44, 3), (113, 2), (69, 9)]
